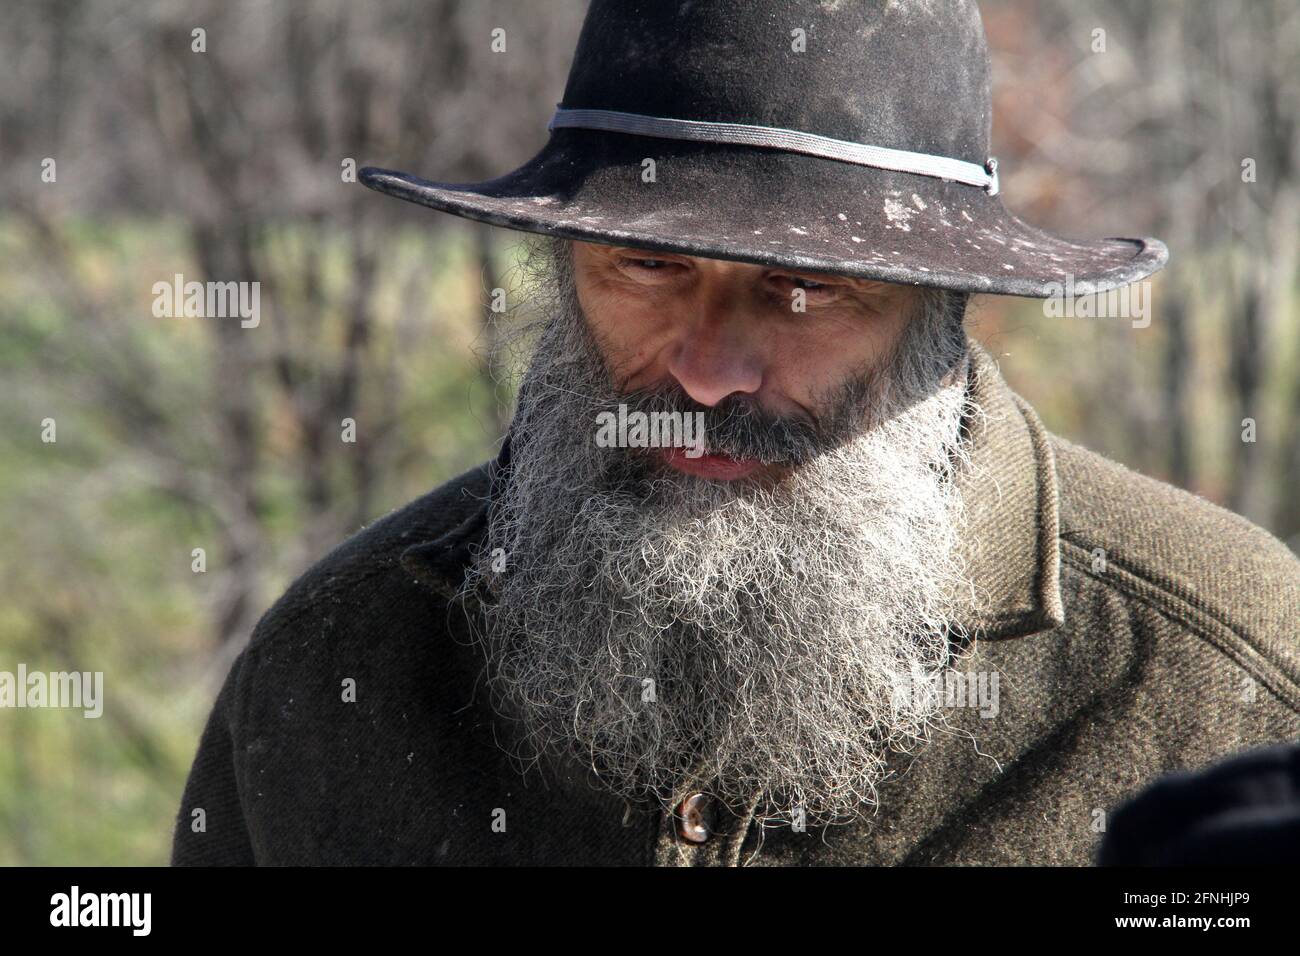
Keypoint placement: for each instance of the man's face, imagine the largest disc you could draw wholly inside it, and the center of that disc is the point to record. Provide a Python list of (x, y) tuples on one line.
[(759, 628), (782, 338)]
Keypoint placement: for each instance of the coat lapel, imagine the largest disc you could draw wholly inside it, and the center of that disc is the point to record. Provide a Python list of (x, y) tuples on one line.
[(1010, 495)]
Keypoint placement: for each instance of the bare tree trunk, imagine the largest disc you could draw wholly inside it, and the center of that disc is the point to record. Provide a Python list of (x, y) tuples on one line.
[(225, 256), (1245, 374), (1178, 362)]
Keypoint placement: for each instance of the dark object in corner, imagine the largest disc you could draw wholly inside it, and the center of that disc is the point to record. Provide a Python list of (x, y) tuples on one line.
[(1244, 811)]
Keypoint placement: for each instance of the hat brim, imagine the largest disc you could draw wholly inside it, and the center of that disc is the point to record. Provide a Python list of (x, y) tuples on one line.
[(750, 204)]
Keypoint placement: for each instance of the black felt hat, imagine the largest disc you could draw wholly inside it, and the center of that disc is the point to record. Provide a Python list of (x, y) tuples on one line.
[(848, 137)]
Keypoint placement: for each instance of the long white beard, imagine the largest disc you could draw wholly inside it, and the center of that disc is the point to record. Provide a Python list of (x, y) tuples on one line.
[(759, 643)]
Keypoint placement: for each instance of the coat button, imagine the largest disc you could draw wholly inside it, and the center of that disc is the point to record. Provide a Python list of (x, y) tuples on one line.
[(692, 818)]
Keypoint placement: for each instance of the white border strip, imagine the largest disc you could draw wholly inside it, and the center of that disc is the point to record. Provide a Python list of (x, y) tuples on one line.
[(898, 160)]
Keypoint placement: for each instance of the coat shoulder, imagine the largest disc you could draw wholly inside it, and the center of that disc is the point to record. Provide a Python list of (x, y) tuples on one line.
[(363, 568), (1203, 563)]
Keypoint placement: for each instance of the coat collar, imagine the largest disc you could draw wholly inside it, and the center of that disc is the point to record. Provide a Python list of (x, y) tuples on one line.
[(1010, 539)]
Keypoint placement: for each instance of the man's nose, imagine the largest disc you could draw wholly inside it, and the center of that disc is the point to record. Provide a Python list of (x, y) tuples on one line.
[(717, 354)]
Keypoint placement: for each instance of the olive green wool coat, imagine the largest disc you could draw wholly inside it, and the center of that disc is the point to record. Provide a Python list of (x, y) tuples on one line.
[(1135, 629)]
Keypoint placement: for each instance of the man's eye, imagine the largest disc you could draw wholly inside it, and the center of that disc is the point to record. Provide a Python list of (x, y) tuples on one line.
[(649, 264), (790, 283)]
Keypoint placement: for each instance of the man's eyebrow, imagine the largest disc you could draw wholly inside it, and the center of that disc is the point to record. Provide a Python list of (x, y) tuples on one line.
[(868, 286), (640, 253)]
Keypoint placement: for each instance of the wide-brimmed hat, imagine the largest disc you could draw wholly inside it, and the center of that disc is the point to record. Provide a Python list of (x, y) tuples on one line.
[(848, 137)]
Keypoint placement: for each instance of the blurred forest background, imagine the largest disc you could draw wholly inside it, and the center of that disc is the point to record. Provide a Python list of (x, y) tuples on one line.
[(176, 434)]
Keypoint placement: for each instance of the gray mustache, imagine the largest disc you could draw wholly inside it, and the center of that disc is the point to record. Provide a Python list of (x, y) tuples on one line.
[(738, 426)]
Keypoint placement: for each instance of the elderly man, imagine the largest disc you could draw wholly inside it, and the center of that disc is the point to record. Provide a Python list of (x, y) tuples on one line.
[(879, 615)]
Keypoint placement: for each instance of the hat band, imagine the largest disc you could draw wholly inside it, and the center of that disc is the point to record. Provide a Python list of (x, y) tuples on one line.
[(794, 141)]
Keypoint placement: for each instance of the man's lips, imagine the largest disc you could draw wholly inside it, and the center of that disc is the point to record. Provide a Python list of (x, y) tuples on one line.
[(717, 467)]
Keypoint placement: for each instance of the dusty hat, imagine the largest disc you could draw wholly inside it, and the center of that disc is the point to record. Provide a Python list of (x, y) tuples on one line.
[(848, 137)]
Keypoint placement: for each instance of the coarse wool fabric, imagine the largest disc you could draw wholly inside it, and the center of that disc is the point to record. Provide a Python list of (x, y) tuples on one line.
[(1136, 630)]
